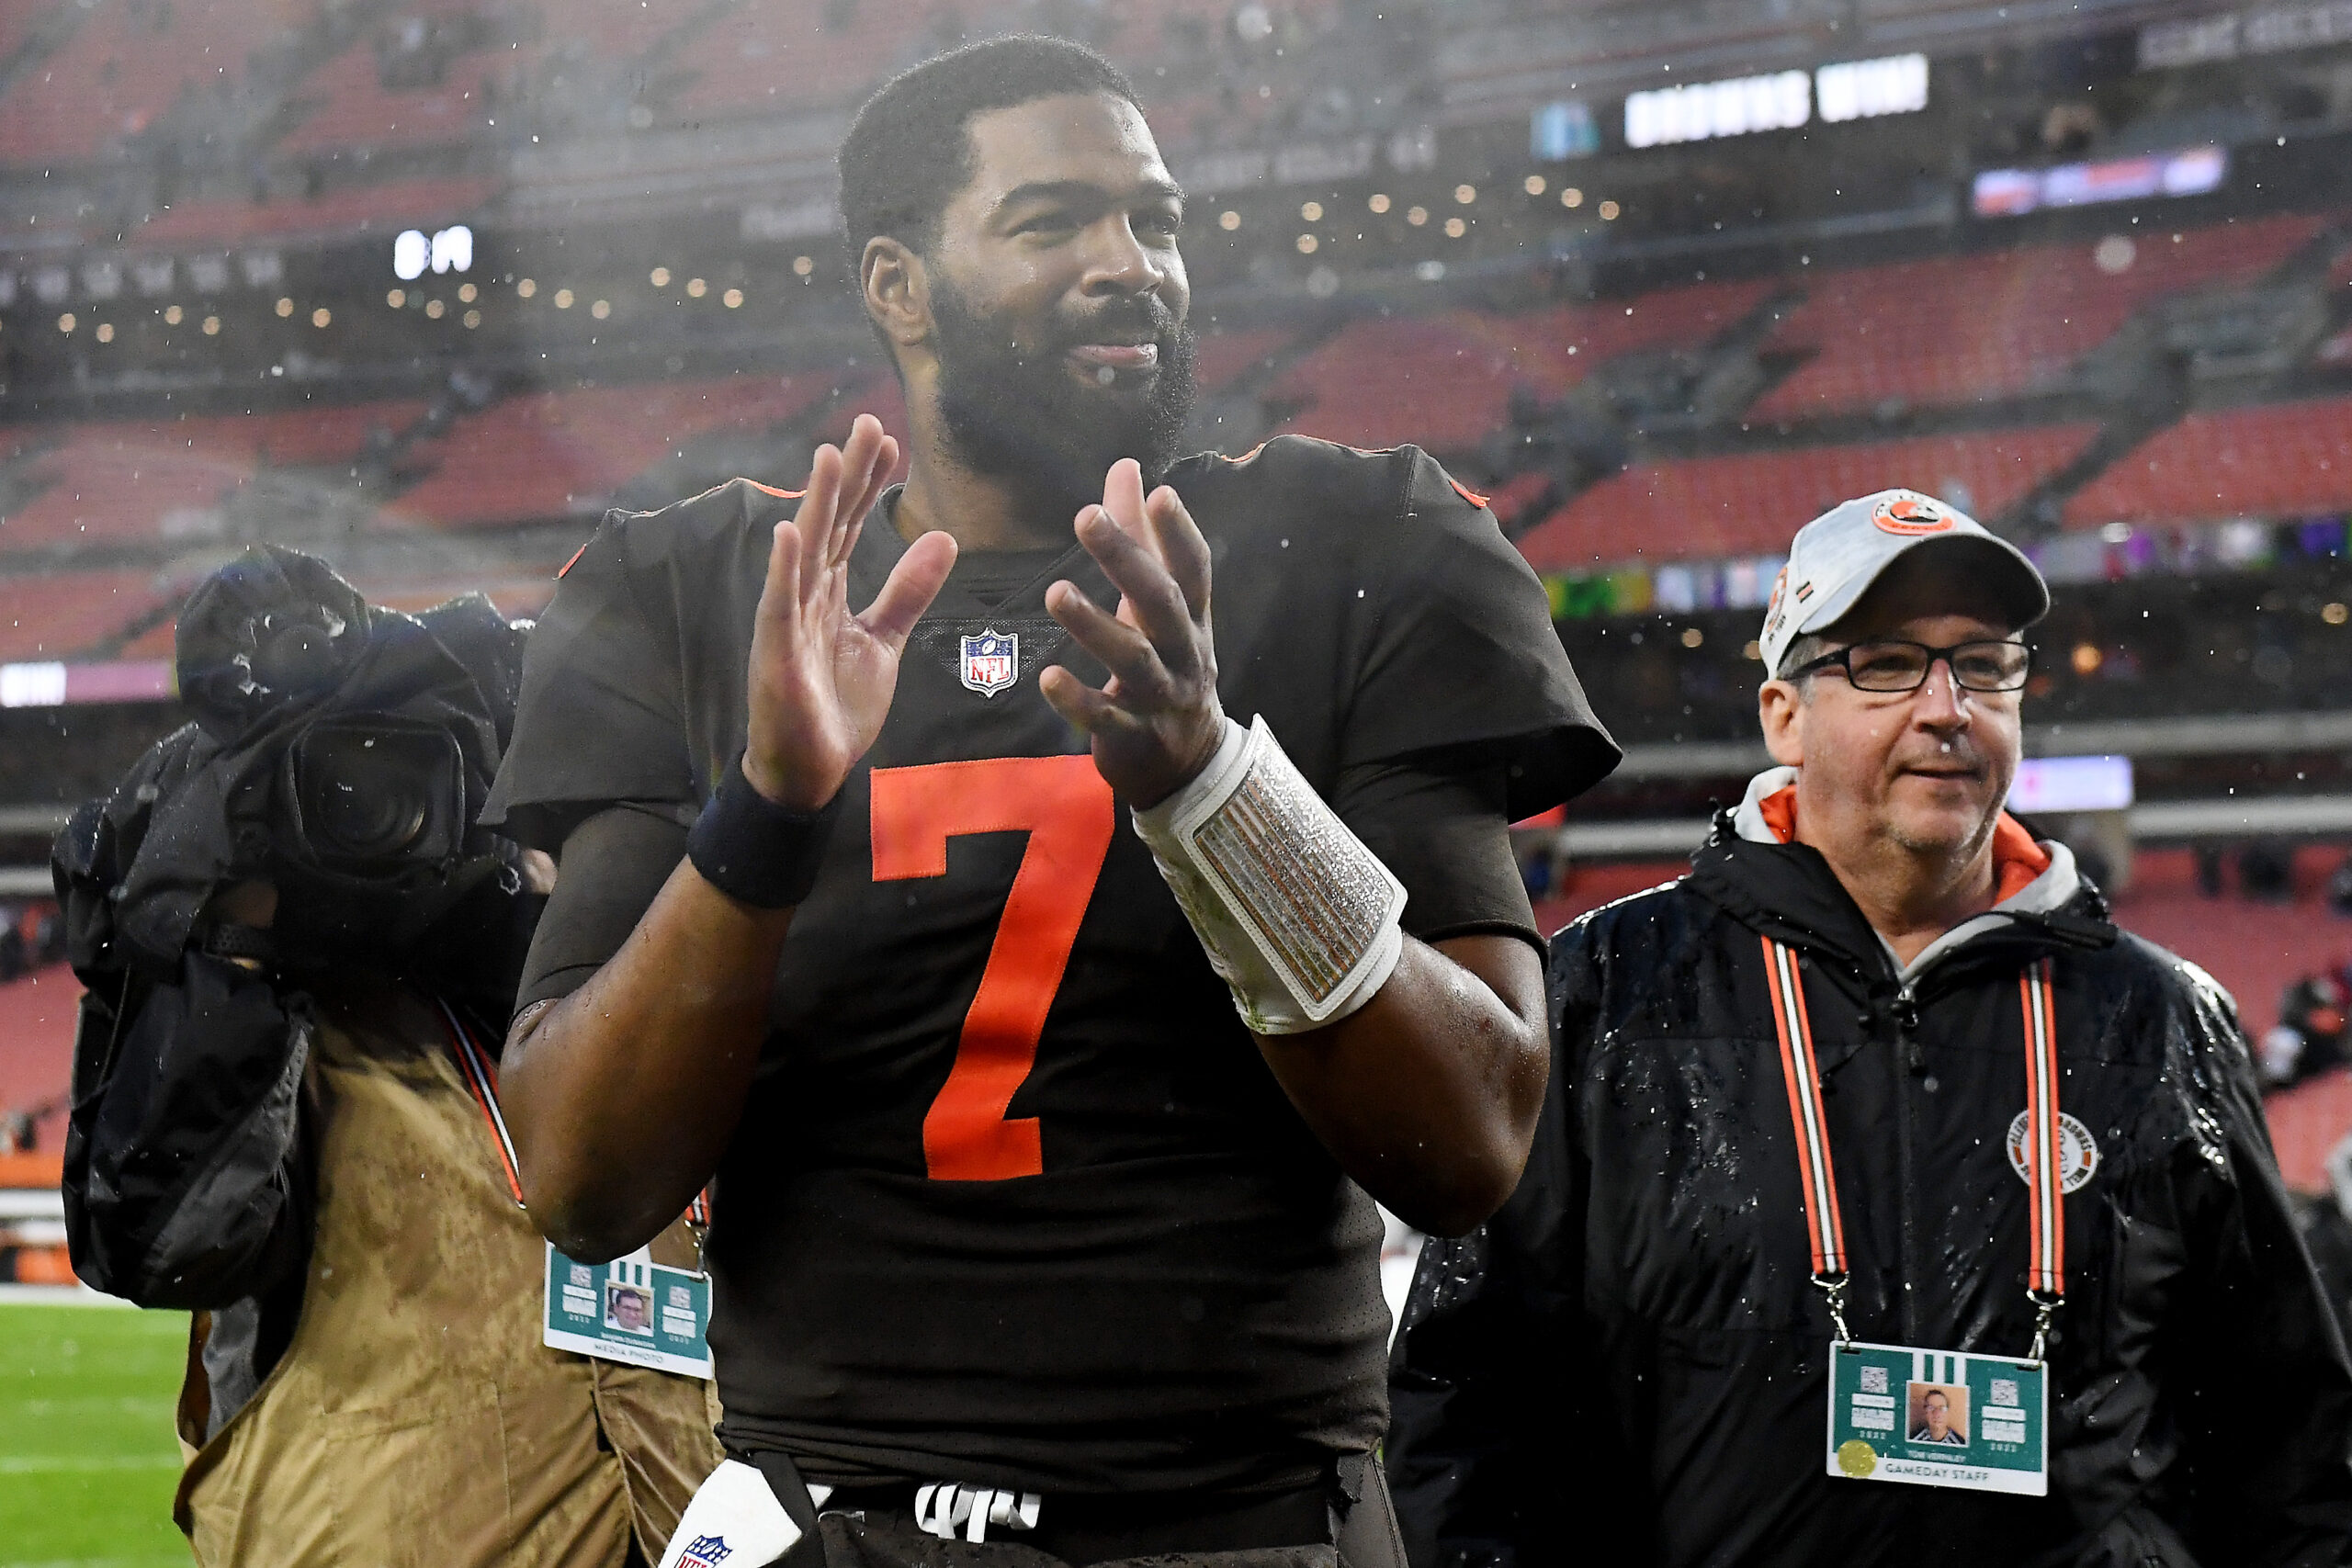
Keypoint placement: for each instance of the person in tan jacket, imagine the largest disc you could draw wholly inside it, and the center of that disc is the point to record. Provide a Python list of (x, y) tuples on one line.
[(299, 955)]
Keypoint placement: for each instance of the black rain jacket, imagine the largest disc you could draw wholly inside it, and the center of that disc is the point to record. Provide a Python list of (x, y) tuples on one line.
[(1626, 1365)]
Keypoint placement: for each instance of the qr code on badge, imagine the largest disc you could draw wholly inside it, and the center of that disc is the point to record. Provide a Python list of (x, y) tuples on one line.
[(2005, 1391), (1873, 1380)]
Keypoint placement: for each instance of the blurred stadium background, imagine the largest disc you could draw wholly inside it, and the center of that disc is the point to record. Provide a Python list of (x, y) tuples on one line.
[(423, 286)]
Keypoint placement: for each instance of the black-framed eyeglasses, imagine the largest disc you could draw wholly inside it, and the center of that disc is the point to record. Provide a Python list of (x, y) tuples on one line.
[(1891, 664)]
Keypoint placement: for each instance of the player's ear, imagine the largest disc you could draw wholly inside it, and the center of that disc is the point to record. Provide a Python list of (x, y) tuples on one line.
[(897, 290)]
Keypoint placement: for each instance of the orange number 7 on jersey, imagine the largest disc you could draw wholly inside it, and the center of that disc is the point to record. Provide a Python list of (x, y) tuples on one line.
[(1066, 809)]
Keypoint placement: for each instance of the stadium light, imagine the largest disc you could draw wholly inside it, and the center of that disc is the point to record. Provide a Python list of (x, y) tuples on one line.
[(1228, 220), (1417, 216), (412, 253), (106, 331), (1572, 197), (658, 277), (465, 292), (448, 250), (1379, 202), (528, 287), (803, 266), (1311, 212), (1455, 228), (211, 326), (396, 299), (172, 315), (1864, 89), (695, 288), (453, 249), (432, 310), (65, 323), (1705, 111), (733, 299)]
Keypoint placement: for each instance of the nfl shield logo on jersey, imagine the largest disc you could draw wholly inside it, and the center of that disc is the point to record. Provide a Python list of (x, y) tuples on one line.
[(991, 662), (706, 1551)]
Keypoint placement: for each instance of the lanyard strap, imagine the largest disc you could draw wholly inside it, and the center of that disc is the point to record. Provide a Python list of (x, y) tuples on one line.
[(1825, 1228), (482, 1078), (2046, 1265)]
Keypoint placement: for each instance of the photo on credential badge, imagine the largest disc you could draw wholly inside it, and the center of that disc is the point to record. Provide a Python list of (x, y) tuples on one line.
[(1939, 1413), (628, 1309)]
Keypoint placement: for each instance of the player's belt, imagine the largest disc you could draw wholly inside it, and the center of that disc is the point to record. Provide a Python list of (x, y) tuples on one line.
[(1824, 1227)]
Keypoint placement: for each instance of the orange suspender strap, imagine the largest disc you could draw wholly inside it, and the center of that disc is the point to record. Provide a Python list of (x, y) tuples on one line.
[(1825, 1229)]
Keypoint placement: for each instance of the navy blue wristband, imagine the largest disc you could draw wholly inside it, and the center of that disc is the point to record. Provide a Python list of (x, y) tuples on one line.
[(756, 852)]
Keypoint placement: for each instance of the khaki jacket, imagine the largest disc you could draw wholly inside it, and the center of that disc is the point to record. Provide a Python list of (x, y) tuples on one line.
[(416, 1418)]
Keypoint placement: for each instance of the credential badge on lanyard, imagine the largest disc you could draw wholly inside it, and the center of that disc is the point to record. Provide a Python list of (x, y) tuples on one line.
[(631, 1309), (1902, 1412)]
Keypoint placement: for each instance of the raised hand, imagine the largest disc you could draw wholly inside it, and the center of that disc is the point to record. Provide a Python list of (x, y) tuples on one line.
[(821, 678), (1157, 722)]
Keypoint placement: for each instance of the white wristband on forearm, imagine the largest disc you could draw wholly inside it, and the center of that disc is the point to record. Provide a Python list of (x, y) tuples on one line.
[(1297, 916)]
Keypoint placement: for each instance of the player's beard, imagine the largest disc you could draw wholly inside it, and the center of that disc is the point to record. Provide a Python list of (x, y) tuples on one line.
[(1020, 416)]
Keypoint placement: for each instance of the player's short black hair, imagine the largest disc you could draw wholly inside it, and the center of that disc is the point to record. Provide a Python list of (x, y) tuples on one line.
[(907, 152)]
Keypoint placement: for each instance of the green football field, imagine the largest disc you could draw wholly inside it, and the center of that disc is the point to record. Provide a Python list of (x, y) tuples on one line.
[(87, 1460)]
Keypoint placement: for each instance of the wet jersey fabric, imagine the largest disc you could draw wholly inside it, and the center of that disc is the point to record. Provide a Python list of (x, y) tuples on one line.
[(1627, 1365), (1014, 1197)]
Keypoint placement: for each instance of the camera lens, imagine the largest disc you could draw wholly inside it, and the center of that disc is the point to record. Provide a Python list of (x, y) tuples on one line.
[(371, 793), (357, 807), (366, 817)]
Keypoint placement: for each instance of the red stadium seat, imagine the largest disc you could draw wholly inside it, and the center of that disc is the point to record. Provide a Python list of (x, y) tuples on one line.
[(1751, 503), (758, 56), (65, 615), (1961, 328), (352, 109), (2281, 460), (36, 1017), (167, 479), (349, 106), (116, 482), (125, 65), (1445, 381), (562, 453)]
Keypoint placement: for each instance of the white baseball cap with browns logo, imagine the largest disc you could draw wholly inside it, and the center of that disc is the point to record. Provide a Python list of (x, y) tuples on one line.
[(1837, 557)]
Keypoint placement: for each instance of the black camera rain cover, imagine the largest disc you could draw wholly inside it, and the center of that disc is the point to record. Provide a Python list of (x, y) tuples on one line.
[(268, 643)]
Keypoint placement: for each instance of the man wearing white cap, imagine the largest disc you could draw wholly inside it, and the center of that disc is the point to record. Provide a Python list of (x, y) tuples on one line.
[(1878, 1098)]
